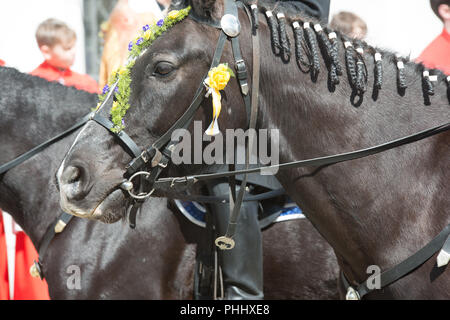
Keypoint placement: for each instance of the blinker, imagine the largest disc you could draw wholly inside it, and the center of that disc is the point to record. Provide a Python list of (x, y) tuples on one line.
[(230, 25)]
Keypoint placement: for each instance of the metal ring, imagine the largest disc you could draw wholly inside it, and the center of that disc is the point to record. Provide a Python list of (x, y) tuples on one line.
[(225, 243), (141, 196)]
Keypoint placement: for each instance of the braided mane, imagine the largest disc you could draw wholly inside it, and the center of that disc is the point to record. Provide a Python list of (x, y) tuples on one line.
[(312, 39)]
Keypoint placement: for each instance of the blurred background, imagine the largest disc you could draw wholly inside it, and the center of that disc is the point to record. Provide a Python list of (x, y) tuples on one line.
[(403, 26)]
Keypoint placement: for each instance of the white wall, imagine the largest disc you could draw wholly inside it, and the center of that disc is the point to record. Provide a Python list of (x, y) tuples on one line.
[(18, 22), (403, 26)]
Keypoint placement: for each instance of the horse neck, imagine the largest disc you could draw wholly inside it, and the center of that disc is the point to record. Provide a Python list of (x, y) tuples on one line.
[(34, 110), (358, 206)]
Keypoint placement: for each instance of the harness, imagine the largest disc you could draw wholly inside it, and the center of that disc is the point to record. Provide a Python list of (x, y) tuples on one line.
[(157, 157)]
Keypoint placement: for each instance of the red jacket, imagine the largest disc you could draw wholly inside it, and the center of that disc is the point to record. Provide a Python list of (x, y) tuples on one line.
[(4, 280), (25, 287), (66, 77), (437, 54)]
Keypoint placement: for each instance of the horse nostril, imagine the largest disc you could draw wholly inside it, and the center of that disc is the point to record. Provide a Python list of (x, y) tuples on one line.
[(75, 182), (71, 175)]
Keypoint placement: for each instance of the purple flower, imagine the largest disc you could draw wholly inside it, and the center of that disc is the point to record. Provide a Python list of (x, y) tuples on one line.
[(130, 46), (106, 89), (139, 41), (160, 23), (123, 122), (116, 90), (146, 27)]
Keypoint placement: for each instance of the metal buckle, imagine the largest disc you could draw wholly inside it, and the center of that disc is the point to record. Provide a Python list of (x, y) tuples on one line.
[(240, 65), (225, 243), (35, 271), (157, 158), (60, 226), (352, 294), (128, 186), (144, 156), (241, 69), (244, 88)]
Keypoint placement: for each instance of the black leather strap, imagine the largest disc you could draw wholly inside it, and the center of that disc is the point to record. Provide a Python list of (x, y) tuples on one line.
[(47, 239), (14, 163), (126, 140), (242, 76), (225, 198), (405, 267), (252, 113), (162, 183)]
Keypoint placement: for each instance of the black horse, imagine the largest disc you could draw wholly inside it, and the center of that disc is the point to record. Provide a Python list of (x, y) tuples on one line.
[(155, 261), (373, 211)]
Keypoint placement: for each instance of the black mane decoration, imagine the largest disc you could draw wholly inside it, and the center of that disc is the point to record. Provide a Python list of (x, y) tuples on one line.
[(284, 39), (311, 40)]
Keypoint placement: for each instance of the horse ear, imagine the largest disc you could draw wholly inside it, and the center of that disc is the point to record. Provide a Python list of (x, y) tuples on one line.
[(208, 9)]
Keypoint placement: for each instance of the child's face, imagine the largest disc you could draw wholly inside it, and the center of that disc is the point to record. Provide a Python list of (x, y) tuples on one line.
[(60, 55)]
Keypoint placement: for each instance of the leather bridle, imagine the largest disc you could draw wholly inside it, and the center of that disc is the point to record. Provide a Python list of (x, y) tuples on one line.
[(157, 157)]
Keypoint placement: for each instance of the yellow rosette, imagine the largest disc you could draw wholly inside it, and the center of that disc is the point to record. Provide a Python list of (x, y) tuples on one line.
[(217, 80)]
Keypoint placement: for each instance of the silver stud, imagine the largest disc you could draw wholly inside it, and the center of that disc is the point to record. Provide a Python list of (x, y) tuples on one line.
[(352, 294), (127, 186), (230, 25)]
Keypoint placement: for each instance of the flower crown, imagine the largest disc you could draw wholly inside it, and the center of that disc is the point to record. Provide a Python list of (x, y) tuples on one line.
[(122, 76)]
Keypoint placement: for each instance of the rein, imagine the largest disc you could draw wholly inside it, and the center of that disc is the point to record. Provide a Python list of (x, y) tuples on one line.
[(329, 160)]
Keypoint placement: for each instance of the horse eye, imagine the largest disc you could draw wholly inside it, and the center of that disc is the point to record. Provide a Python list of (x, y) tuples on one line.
[(163, 69)]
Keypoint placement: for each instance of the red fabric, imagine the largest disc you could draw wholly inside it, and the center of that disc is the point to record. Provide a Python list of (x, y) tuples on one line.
[(4, 281), (437, 54), (25, 286), (2, 63), (66, 77)]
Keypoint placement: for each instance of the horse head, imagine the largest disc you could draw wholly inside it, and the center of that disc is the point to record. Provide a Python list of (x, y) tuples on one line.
[(162, 81)]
